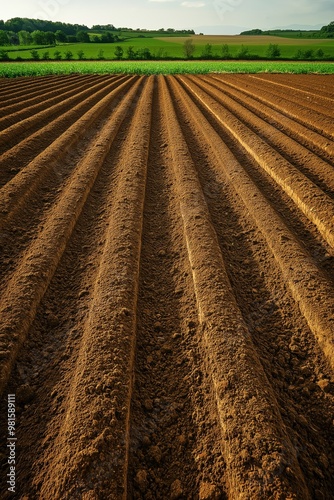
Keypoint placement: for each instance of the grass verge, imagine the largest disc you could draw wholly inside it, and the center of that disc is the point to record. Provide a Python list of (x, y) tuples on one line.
[(15, 69)]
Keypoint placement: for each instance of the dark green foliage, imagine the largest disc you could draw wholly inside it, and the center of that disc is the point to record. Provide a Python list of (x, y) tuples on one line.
[(243, 53), (4, 40), (188, 48), (17, 24), (130, 52), (68, 55), (81, 55), (60, 36), (273, 51), (4, 55), (207, 51), (35, 55), (100, 55), (82, 36), (226, 51), (144, 53), (118, 52)]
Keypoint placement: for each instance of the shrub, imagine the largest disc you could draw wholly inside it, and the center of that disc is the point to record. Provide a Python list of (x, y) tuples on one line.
[(81, 55), (35, 55), (243, 53), (68, 55), (46, 56), (130, 52), (57, 55), (100, 55), (308, 54), (4, 55), (207, 51), (273, 51), (144, 53), (226, 51), (118, 52), (188, 48)]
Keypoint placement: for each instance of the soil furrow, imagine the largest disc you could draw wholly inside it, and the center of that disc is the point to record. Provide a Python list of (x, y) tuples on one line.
[(309, 139), (277, 328), (16, 192), (19, 130), (13, 117), (50, 352), (308, 288), (309, 119), (9, 87), (308, 102), (314, 88), (311, 200), (171, 433), (167, 287), (226, 338), (40, 89), (108, 341), (34, 272), (12, 111), (15, 159)]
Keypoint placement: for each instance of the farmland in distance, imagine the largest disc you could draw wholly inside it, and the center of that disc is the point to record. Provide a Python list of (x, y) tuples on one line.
[(167, 285)]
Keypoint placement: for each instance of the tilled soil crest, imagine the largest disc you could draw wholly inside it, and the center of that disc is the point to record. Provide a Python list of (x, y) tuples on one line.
[(167, 286)]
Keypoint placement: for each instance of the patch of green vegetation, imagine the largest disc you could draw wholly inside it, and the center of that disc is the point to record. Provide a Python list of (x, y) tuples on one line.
[(154, 48), (11, 70)]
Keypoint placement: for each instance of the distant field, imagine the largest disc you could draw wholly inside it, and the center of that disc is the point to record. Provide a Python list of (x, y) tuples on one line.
[(249, 40), (172, 47), (11, 70)]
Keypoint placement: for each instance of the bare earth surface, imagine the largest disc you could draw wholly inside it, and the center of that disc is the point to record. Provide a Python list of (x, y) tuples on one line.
[(167, 286)]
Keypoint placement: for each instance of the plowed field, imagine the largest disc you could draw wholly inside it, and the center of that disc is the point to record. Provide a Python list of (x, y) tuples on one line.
[(167, 286)]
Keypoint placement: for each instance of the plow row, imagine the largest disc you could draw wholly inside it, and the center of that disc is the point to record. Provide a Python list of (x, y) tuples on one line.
[(167, 286)]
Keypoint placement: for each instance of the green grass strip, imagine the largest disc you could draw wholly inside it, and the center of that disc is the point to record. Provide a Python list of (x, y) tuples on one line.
[(15, 69)]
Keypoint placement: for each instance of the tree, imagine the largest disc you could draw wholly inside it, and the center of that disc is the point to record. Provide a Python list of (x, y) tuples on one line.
[(243, 52), (50, 38), (118, 52), (100, 55), (107, 37), (57, 55), (35, 55), (82, 36), (4, 55), (225, 51), (24, 37), (68, 55), (81, 55), (131, 54), (38, 37), (329, 29), (13, 38), (207, 51), (60, 36), (4, 40), (188, 48), (144, 53), (273, 51)]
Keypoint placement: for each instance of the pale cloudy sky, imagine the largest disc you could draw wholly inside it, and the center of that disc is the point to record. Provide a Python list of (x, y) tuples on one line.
[(187, 14)]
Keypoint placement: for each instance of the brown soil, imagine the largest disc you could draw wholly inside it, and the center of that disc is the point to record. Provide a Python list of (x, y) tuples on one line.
[(167, 286)]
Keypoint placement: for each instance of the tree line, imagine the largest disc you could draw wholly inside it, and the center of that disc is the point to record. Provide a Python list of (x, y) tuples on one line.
[(39, 37), (24, 31), (325, 32)]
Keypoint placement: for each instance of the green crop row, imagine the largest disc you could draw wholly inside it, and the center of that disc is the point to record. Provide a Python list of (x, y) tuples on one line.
[(10, 70)]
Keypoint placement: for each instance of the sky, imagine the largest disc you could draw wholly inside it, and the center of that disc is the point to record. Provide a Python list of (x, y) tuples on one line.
[(209, 16)]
